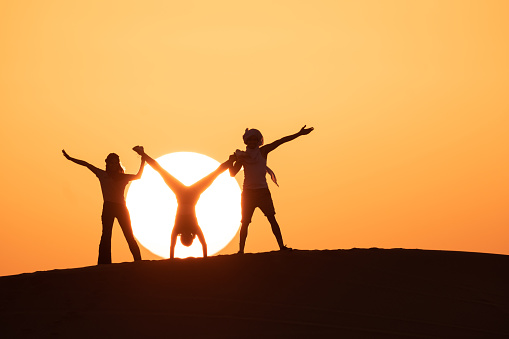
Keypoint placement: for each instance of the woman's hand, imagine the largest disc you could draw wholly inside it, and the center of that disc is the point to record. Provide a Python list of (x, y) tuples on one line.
[(139, 150), (66, 155)]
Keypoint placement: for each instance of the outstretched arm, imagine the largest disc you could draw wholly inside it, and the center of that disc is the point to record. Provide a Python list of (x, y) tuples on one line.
[(173, 243), (235, 167), (169, 179), (140, 171), (201, 238), (201, 185), (273, 145), (81, 162)]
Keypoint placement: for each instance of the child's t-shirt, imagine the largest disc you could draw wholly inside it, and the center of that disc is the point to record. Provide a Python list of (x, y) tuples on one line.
[(255, 167)]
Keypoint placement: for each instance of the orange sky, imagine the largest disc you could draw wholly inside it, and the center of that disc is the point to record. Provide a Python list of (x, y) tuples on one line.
[(408, 100)]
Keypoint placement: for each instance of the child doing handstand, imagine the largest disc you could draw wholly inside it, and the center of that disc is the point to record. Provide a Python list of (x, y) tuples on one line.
[(186, 224)]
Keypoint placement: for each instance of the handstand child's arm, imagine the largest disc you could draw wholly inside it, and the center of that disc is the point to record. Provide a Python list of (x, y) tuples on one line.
[(173, 243), (201, 238)]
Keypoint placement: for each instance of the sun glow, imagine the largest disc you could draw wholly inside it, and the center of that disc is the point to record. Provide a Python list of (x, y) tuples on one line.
[(153, 206)]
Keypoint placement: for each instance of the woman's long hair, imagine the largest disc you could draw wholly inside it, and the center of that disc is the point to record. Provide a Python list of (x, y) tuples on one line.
[(113, 165)]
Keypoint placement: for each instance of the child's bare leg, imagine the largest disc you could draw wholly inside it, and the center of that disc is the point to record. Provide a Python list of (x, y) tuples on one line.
[(204, 183), (243, 236), (277, 231), (173, 183)]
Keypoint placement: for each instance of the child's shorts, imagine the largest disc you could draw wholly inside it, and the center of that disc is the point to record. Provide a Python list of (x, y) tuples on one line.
[(252, 198)]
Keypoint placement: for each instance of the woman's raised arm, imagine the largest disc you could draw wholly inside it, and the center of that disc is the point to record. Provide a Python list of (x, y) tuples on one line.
[(80, 162)]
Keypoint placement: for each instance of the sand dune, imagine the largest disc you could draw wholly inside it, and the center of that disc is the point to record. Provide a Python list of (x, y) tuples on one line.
[(357, 293)]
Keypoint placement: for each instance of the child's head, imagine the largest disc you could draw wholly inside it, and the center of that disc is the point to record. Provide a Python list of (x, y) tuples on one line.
[(253, 138), (113, 165), (187, 239)]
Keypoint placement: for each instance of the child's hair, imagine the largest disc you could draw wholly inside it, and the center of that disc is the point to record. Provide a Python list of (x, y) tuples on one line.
[(113, 165), (253, 132)]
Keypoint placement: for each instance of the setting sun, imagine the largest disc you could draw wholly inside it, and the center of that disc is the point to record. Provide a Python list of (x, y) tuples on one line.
[(153, 205)]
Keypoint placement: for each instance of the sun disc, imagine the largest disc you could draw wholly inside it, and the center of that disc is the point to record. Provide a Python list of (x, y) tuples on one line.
[(153, 206)]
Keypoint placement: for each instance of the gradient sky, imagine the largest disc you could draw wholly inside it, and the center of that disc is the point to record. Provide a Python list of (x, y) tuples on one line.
[(408, 99)]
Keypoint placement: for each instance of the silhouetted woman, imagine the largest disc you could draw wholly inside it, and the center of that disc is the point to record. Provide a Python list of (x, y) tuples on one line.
[(186, 224), (113, 182)]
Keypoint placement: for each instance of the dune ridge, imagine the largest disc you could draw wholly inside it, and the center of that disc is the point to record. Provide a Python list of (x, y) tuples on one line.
[(357, 293)]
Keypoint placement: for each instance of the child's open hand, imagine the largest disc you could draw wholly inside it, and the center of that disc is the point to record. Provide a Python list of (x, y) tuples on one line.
[(304, 130)]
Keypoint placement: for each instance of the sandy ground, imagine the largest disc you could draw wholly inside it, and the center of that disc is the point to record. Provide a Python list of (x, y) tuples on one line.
[(357, 293)]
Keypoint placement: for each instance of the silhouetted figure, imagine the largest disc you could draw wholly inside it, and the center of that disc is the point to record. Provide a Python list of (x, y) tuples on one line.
[(113, 182), (255, 192), (186, 223)]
